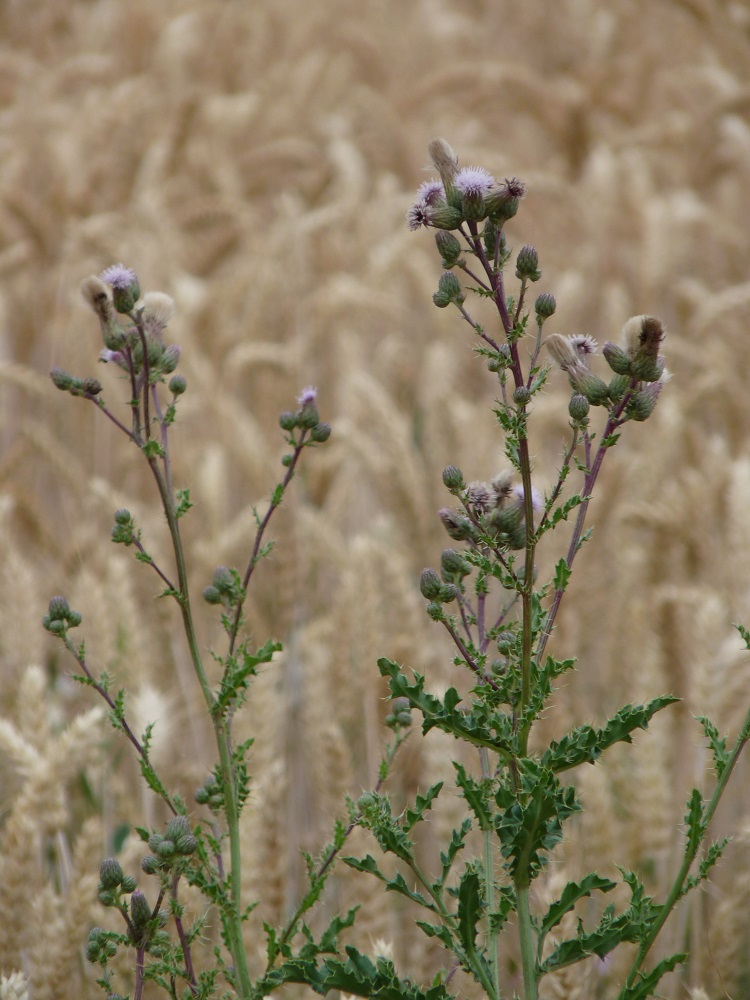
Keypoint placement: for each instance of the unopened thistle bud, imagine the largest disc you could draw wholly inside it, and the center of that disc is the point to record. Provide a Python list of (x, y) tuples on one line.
[(429, 584), (502, 202), (320, 433), (444, 217), (448, 593), (177, 385), (544, 306), (91, 386), (170, 359), (585, 382), (110, 873), (449, 290), (58, 608), (125, 288), (448, 247), (618, 386), (458, 527), (140, 911), (453, 478), (521, 395), (648, 368), (527, 264), (618, 359), (578, 407), (287, 420), (453, 565)]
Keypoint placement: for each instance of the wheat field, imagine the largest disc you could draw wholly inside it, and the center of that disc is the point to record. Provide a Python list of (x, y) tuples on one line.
[(255, 161)]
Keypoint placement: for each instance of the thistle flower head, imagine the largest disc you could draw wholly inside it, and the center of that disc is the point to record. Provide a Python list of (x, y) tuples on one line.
[(537, 501), (584, 345), (119, 276), (308, 396), (418, 215), (474, 181), (431, 191)]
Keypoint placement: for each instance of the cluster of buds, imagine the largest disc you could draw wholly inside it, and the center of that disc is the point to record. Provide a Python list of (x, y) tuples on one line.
[(638, 369), (210, 794), (60, 617), (177, 842), (399, 716), (461, 194), (123, 530), (65, 382), (498, 508), (116, 293), (225, 588), (113, 882), (306, 418)]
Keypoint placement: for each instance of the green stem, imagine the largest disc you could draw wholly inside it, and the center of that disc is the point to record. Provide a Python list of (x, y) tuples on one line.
[(526, 938), (489, 881), (691, 853), (223, 743)]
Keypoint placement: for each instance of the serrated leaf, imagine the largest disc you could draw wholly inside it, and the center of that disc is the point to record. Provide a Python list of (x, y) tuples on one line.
[(477, 795), (422, 804), (469, 909), (584, 744), (572, 892), (439, 931), (694, 821), (647, 983), (457, 841), (563, 573), (717, 743)]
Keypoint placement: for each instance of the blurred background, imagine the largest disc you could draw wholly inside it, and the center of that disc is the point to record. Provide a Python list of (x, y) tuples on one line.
[(255, 161)]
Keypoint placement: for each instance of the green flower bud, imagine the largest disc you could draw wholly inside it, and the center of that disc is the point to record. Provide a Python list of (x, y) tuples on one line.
[(110, 873), (473, 206), (589, 385), (617, 359), (177, 827), (177, 385), (430, 584), (367, 802), (128, 883), (187, 844), (62, 379), (448, 593), (107, 897), (154, 840), (448, 247), (445, 217), (449, 290), (170, 359), (578, 407), (453, 478), (527, 263), (56, 627), (307, 417), (287, 421), (618, 386), (91, 386), (458, 527), (521, 395), (74, 619), (320, 433), (150, 865), (58, 608), (648, 368), (641, 405), (453, 564), (123, 516), (140, 911), (545, 306), (211, 595), (435, 611), (493, 238), (165, 848)]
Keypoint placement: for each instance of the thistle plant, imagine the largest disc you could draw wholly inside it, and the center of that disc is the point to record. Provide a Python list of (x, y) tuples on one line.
[(498, 606), (204, 851), (496, 594)]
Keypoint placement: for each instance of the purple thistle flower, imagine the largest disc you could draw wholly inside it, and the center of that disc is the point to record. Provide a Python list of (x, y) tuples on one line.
[(308, 396), (418, 215), (583, 344), (474, 181), (537, 501), (119, 276), (431, 191)]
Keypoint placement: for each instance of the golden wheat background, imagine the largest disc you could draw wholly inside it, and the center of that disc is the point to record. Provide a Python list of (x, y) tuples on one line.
[(255, 160)]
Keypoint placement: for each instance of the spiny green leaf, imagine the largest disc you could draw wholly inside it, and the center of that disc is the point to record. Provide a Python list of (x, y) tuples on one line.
[(585, 744), (422, 804), (572, 892), (717, 743), (647, 983)]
